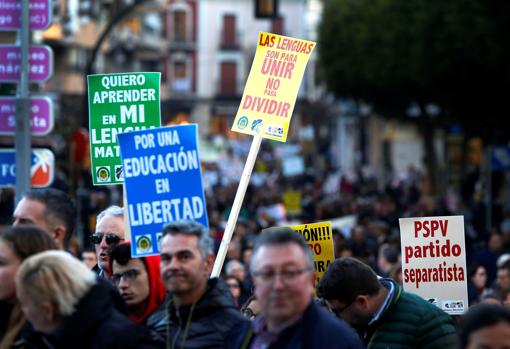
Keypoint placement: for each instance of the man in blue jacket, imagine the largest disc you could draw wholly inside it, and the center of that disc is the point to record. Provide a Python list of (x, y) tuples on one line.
[(282, 267)]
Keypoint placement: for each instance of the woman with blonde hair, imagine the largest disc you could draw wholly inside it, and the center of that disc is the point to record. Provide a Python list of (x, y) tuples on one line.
[(16, 244), (63, 300)]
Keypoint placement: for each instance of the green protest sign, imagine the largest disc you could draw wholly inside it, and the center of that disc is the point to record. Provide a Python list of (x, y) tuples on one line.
[(119, 103)]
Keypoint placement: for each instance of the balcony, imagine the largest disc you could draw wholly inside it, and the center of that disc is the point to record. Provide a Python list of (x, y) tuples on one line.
[(229, 89), (230, 41)]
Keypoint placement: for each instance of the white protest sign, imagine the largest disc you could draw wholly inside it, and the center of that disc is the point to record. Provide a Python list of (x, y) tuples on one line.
[(434, 260)]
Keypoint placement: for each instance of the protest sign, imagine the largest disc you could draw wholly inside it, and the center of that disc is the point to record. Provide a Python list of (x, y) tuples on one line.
[(292, 201), (320, 240), (272, 86), (163, 182), (434, 260), (266, 108), (119, 103)]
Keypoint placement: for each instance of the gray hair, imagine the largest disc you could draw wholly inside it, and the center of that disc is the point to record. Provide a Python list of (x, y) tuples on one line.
[(113, 210), (231, 264), (282, 236), (205, 241), (55, 277)]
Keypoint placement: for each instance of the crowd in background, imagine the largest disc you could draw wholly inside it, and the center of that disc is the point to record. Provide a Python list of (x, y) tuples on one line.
[(324, 193)]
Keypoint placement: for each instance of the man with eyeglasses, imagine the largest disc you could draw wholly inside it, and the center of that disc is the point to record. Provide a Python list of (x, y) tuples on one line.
[(384, 315), (109, 232), (282, 266), (139, 283)]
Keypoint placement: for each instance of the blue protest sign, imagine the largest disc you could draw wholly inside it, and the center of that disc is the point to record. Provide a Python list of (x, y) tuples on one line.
[(163, 182)]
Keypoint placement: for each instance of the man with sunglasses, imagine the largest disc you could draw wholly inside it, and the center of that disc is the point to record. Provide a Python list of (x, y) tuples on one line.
[(384, 315), (109, 232), (282, 266)]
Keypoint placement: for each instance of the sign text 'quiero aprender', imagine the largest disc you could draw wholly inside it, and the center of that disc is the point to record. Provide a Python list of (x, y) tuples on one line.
[(271, 89), (436, 248), (119, 103)]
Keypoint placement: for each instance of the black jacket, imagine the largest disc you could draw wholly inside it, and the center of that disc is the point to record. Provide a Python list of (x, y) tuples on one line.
[(317, 329), (95, 324), (211, 320)]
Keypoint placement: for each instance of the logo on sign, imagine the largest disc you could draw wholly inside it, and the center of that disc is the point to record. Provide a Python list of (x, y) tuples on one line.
[(256, 125), (242, 122), (454, 306), (144, 244), (119, 173), (102, 174), (276, 131), (41, 170)]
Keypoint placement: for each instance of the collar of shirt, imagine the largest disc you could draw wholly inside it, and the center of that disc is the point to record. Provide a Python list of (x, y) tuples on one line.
[(263, 337), (391, 290)]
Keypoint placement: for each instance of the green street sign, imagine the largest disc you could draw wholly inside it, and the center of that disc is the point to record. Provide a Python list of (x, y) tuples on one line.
[(119, 103)]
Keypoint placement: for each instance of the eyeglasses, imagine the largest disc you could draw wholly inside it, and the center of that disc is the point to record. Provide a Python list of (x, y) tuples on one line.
[(129, 276), (338, 312), (287, 276), (111, 239), (250, 314), (232, 285)]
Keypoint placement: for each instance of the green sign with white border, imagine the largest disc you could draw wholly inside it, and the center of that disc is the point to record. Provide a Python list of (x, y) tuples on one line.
[(119, 103)]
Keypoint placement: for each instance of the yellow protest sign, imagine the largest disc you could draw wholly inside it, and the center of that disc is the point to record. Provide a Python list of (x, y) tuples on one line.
[(292, 201), (320, 240), (272, 87)]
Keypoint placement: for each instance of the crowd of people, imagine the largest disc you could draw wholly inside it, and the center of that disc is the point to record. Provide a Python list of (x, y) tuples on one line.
[(56, 295)]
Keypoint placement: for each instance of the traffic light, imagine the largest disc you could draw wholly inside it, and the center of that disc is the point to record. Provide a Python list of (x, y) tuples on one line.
[(266, 8)]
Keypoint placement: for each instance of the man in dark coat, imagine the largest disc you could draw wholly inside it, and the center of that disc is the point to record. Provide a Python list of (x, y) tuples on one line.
[(199, 312), (283, 273), (383, 314)]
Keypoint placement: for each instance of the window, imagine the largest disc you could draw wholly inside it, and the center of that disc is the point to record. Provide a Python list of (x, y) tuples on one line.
[(228, 82), (179, 25), (229, 30), (181, 82), (277, 26)]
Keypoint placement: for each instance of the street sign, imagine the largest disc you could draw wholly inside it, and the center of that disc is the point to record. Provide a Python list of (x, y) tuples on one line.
[(39, 14), (42, 170), (501, 159), (41, 116), (40, 63)]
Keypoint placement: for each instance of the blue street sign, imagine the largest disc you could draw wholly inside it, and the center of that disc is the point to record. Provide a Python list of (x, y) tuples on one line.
[(42, 170), (501, 159), (161, 170)]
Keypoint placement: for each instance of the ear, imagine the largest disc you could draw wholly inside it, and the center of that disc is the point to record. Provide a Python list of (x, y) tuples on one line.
[(362, 302), (49, 310), (59, 235), (209, 263)]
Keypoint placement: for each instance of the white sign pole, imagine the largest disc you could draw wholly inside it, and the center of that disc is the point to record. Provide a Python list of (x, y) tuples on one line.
[(238, 201)]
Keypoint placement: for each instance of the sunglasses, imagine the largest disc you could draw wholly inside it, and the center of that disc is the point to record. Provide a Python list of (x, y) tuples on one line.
[(111, 239)]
